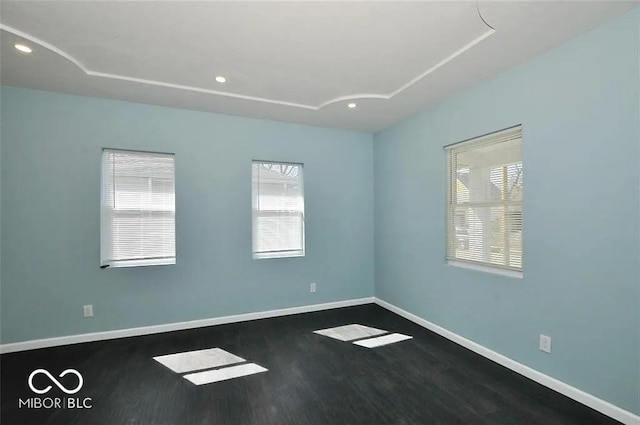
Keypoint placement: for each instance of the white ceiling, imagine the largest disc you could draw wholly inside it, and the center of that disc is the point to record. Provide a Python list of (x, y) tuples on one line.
[(298, 62)]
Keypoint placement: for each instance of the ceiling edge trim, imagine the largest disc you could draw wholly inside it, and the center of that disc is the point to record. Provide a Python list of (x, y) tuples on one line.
[(446, 60), (440, 64), (360, 96), (99, 74)]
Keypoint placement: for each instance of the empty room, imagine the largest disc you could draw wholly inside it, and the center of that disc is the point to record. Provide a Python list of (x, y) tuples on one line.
[(319, 212)]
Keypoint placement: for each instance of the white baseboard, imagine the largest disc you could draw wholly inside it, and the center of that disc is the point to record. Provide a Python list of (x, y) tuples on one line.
[(148, 330), (604, 407), (580, 396)]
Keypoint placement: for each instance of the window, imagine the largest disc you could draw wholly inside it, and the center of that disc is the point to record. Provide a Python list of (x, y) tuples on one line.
[(138, 209), (278, 210), (484, 209)]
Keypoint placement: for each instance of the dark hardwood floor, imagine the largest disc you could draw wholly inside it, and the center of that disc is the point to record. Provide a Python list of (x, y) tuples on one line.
[(312, 379)]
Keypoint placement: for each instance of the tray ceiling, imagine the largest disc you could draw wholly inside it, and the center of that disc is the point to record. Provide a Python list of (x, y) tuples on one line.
[(299, 62)]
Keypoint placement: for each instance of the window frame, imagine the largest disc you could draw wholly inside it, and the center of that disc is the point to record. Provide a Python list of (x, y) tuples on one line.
[(497, 137), (263, 255), (106, 237)]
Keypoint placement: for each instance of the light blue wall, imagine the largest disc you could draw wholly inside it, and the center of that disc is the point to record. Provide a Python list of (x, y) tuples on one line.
[(580, 113), (51, 153)]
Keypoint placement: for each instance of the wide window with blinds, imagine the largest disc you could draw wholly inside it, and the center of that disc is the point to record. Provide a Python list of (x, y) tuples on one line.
[(484, 211), (138, 209), (278, 209)]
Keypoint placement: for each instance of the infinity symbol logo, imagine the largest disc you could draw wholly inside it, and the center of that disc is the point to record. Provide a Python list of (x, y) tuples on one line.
[(55, 381)]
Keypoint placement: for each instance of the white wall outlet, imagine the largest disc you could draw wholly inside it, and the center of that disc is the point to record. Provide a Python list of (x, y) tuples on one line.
[(88, 310), (312, 287), (545, 343)]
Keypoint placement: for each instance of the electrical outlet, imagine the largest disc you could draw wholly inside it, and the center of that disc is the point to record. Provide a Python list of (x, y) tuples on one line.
[(312, 287), (88, 310), (545, 343)]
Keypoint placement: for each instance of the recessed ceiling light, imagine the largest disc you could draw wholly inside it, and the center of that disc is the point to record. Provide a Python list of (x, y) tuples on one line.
[(351, 106), (221, 79), (23, 48)]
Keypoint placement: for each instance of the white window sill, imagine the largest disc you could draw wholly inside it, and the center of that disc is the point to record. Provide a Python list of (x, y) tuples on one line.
[(485, 269), (267, 255), (140, 263)]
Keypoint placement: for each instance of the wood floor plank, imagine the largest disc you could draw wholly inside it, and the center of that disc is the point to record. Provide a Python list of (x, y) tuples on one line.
[(311, 380)]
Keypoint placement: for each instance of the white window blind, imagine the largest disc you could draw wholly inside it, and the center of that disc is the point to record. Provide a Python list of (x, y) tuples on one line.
[(278, 209), (485, 187), (138, 209)]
